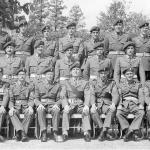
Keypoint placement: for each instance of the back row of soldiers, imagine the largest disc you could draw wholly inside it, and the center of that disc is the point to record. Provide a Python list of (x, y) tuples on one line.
[(76, 76)]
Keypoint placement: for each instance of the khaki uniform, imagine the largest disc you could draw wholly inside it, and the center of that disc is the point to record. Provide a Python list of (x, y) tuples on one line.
[(62, 69), (4, 99), (104, 95), (92, 66), (131, 97), (76, 96), (47, 95), (143, 52), (21, 97), (116, 43), (125, 62)]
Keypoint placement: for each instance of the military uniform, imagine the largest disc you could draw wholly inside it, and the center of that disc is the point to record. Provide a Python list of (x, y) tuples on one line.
[(75, 95), (131, 100), (21, 98), (48, 95)]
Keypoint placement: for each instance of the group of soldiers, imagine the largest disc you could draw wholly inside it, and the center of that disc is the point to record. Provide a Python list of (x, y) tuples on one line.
[(98, 76)]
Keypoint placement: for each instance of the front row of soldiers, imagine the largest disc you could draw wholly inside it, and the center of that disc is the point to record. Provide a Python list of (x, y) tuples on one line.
[(75, 95)]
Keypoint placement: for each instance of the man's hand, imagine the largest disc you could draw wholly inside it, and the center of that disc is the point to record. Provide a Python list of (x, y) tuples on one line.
[(55, 107), (93, 108), (141, 107), (66, 109), (11, 111), (2, 110), (30, 110), (86, 109), (40, 107), (119, 107), (112, 107)]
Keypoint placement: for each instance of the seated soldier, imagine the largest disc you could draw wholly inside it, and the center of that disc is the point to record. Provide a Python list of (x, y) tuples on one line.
[(131, 102), (47, 101), (3, 101), (105, 100), (75, 96), (21, 102)]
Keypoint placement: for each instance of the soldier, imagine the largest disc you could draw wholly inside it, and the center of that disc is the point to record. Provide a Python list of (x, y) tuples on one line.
[(10, 63), (131, 102), (36, 63), (24, 43), (105, 101), (21, 102), (89, 50), (4, 87), (47, 101), (129, 60), (50, 46), (75, 97), (116, 41), (62, 68), (143, 47), (94, 63), (74, 40)]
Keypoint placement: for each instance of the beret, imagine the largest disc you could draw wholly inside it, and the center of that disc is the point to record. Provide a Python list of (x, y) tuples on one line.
[(46, 27), (143, 24), (102, 69), (94, 28), (45, 70), (38, 43), (75, 65), (71, 24), (22, 22), (21, 70), (67, 46), (129, 43), (9, 43), (118, 21), (127, 69), (98, 44)]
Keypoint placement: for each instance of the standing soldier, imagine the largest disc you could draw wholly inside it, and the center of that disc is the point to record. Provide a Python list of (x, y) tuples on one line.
[(105, 101), (10, 63), (4, 98), (75, 41), (131, 102), (24, 43), (62, 68), (143, 47), (116, 41), (36, 63), (21, 102), (75, 97), (97, 61), (47, 101), (129, 60), (50, 46)]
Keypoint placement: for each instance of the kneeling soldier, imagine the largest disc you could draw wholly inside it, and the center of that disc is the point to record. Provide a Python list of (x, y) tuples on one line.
[(3, 101), (131, 102), (105, 99), (21, 102), (47, 101), (75, 96)]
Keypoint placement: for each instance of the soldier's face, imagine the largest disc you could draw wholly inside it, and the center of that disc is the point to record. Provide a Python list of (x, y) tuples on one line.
[(10, 50), (71, 30), (145, 30), (39, 49), (95, 34), (103, 75), (49, 76), (119, 27), (76, 72), (21, 76), (130, 50), (129, 75), (100, 51), (69, 52), (46, 33), (23, 28)]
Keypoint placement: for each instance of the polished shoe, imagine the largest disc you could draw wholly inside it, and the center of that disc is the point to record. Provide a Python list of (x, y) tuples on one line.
[(65, 137), (128, 136), (102, 136), (44, 136), (109, 137), (87, 137), (24, 137), (18, 135), (2, 138), (136, 136)]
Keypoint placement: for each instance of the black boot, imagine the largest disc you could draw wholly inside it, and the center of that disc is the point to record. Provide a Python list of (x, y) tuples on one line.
[(136, 136), (24, 137), (44, 136), (55, 136), (128, 136), (102, 136), (1, 138), (87, 137), (65, 137), (18, 135)]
